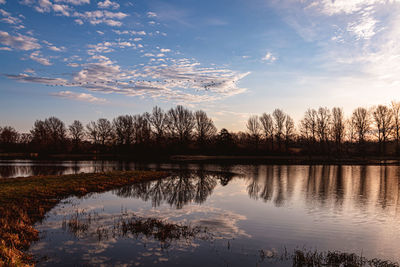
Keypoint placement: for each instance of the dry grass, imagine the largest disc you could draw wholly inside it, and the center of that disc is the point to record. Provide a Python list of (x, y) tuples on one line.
[(25, 201)]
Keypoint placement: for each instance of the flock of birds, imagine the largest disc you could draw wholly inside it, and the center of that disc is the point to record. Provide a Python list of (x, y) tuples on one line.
[(207, 85)]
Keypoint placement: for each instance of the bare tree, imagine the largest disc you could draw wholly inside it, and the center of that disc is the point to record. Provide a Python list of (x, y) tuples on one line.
[(253, 126), (309, 125), (267, 125), (93, 132), (289, 130), (8, 136), (361, 123), (159, 122), (142, 129), (383, 119), (77, 132), (323, 124), (338, 127), (56, 129), (204, 127), (181, 123), (39, 133), (395, 106), (105, 131), (279, 124), (124, 129)]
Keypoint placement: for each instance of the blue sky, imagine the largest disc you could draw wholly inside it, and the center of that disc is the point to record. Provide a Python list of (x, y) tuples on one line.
[(85, 59)]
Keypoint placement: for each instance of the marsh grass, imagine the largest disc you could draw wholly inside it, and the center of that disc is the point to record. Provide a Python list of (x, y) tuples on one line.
[(84, 225), (25, 201), (336, 258)]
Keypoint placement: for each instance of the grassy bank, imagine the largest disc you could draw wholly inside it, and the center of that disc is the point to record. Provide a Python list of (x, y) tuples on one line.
[(25, 201)]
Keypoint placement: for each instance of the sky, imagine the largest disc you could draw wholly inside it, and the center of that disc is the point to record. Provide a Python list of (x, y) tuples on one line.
[(86, 59)]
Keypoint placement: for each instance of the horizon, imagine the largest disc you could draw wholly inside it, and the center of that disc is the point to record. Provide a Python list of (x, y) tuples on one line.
[(82, 59)]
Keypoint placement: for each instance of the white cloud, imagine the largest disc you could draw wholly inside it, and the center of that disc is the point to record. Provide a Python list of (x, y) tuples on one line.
[(29, 70), (79, 96), (20, 42), (100, 32), (73, 2), (102, 16), (93, 17), (5, 49), (108, 4), (2, 2), (151, 14), (36, 56), (35, 79), (269, 57), (8, 18), (57, 49), (165, 50)]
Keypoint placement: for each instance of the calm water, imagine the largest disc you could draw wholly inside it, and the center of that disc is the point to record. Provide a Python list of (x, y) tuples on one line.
[(249, 215)]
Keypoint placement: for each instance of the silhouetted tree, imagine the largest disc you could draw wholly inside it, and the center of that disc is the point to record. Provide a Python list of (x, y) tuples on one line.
[(181, 123), (49, 134), (104, 131), (323, 124), (159, 122), (383, 119), (395, 106), (267, 125), (8, 136), (338, 127), (93, 132), (253, 127), (77, 132), (124, 129), (361, 123), (309, 125), (204, 127), (279, 124), (289, 130), (142, 129)]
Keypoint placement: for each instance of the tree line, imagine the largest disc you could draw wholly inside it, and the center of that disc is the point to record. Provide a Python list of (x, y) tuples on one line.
[(322, 131)]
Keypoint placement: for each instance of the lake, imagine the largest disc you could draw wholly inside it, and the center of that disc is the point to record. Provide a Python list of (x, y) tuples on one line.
[(220, 215)]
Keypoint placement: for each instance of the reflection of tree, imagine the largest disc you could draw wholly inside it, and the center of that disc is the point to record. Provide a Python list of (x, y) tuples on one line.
[(326, 186), (177, 190), (268, 188)]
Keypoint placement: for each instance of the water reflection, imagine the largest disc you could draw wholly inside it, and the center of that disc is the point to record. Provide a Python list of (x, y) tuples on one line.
[(318, 186), (179, 189), (249, 207)]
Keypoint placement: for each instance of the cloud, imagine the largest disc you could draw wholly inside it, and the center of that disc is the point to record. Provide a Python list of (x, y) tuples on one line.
[(101, 16), (8, 18), (93, 17), (36, 56), (151, 14), (79, 96), (29, 70), (165, 50), (269, 57), (57, 49), (20, 42), (35, 79), (108, 4), (5, 49), (2, 2), (73, 2), (100, 32)]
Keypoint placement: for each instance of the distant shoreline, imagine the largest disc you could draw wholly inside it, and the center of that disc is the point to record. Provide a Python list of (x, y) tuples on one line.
[(223, 159)]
